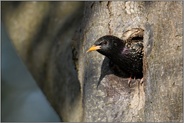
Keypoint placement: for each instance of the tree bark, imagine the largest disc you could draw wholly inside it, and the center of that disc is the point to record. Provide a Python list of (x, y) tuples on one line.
[(160, 97), (69, 76)]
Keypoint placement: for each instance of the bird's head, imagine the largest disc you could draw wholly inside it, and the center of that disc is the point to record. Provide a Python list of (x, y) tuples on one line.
[(107, 45)]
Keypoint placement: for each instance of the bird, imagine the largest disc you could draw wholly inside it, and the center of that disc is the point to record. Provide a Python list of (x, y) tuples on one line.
[(126, 54)]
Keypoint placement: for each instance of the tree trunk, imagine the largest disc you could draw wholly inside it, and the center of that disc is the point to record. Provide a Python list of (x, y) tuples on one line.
[(42, 34), (69, 76), (160, 96)]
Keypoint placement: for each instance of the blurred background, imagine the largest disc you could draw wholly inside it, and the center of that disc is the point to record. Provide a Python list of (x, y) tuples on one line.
[(21, 98), (30, 32)]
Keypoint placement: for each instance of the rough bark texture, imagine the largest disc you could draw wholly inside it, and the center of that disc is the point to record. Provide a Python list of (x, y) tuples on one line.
[(160, 97), (69, 76), (163, 62)]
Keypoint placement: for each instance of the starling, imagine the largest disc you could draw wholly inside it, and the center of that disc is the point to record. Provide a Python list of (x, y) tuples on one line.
[(126, 54)]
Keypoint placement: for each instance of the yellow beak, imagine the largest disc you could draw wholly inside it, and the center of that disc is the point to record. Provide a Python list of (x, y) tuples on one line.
[(93, 48)]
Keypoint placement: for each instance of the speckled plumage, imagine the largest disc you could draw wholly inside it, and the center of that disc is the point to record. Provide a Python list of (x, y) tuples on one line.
[(126, 54)]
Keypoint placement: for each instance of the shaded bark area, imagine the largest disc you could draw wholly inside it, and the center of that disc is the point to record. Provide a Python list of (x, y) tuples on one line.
[(160, 97), (42, 34)]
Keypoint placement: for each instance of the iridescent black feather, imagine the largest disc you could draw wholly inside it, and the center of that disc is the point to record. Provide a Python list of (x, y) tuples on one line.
[(126, 54)]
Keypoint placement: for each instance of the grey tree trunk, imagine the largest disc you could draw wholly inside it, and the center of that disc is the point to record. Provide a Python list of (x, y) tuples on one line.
[(69, 76), (42, 34), (160, 97)]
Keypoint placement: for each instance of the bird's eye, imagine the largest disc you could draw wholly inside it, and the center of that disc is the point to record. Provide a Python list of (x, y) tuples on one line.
[(104, 42)]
